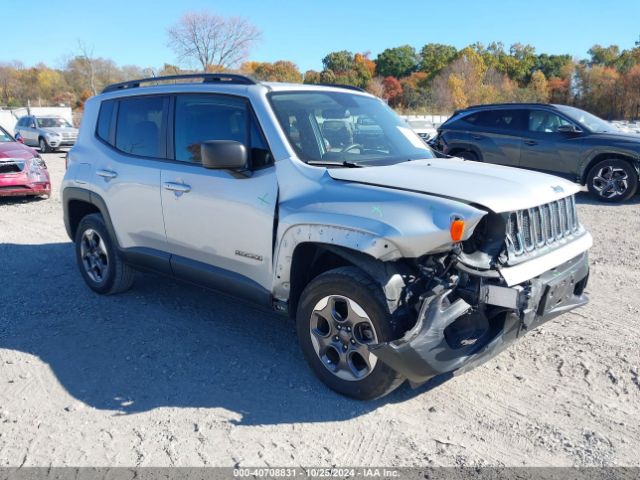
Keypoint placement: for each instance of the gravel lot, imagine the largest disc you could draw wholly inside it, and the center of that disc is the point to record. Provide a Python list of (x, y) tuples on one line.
[(172, 375)]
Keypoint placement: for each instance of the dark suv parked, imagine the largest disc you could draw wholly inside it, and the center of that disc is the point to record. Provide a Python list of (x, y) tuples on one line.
[(556, 139)]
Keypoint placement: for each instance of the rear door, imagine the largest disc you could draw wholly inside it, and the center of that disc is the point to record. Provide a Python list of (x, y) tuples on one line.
[(126, 168), (546, 149), (219, 223), (497, 135), (29, 132)]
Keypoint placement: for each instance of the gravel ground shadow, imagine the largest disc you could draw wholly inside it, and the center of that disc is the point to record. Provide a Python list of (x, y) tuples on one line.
[(162, 344)]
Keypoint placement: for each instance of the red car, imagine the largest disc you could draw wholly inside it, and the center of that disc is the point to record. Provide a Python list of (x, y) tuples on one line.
[(22, 171)]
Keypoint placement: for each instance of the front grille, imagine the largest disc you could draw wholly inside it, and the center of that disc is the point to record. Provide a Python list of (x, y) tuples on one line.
[(11, 166), (546, 226)]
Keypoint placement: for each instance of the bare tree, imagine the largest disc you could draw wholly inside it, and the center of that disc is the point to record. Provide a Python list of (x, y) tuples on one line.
[(213, 41), (88, 65)]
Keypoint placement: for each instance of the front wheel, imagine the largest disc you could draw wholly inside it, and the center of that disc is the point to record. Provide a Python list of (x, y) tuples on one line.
[(340, 314), (612, 181)]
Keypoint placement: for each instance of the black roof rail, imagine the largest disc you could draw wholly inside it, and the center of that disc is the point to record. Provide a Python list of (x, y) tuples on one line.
[(509, 104), (232, 78), (340, 85)]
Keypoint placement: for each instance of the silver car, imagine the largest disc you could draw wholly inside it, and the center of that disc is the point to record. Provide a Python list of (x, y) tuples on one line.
[(46, 132), (321, 203)]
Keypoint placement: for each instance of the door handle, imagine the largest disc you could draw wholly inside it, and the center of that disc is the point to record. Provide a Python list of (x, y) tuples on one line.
[(106, 174), (177, 187), (530, 142)]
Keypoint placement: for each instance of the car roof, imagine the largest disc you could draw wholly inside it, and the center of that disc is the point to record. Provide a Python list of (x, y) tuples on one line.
[(492, 106)]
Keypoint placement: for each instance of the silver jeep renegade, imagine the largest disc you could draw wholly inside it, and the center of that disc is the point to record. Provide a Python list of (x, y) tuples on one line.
[(320, 202)]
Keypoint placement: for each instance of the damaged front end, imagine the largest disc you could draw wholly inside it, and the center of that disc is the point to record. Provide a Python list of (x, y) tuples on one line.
[(466, 314)]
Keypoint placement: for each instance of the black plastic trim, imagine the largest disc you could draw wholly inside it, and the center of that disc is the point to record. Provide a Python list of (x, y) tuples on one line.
[(220, 279), (148, 259), (87, 196)]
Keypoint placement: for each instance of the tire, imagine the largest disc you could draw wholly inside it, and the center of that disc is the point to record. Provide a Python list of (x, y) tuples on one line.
[(100, 265), (467, 155), (612, 181), (44, 146), (335, 351)]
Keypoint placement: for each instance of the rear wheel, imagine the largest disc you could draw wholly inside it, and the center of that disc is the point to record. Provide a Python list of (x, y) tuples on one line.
[(100, 265), (467, 155), (612, 180), (44, 146), (340, 314)]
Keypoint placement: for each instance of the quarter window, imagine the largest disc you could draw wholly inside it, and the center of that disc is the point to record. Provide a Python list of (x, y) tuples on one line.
[(104, 121), (139, 126)]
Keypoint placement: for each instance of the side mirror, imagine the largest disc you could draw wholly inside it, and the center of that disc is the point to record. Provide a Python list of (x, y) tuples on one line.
[(223, 154), (569, 129), (32, 125)]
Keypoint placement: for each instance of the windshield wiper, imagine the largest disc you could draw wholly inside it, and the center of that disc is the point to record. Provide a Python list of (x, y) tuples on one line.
[(344, 163)]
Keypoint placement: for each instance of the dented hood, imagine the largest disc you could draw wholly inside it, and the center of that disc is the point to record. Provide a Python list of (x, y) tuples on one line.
[(498, 188)]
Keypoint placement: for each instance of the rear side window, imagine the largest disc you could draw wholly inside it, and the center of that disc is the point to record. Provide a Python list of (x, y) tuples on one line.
[(140, 126), (506, 120), (104, 121)]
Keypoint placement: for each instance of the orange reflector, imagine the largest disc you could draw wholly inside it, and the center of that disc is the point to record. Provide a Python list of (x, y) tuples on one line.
[(457, 230)]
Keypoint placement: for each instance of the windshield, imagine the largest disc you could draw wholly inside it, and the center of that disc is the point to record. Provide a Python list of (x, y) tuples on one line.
[(52, 122), (590, 122), (343, 128), (4, 136)]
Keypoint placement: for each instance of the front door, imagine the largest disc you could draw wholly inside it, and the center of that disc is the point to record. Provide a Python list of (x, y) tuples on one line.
[(546, 149), (219, 223)]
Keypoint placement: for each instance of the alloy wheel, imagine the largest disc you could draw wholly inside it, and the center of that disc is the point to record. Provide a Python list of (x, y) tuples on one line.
[(93, 253), (611, 182), (340, 333)]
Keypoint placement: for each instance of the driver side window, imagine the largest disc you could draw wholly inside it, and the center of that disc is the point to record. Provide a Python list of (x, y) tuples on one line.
[(545, 122), (200, 118)]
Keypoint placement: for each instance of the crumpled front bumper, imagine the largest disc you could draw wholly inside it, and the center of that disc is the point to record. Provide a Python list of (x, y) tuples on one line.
[(19, 184), (425, 351)]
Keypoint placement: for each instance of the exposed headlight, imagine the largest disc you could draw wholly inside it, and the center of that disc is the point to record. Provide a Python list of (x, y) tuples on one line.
[(36, 170), (52, 134)]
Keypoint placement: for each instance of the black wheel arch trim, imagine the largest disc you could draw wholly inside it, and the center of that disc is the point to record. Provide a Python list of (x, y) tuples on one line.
[(632, 158), (464, 147), (70, 194)]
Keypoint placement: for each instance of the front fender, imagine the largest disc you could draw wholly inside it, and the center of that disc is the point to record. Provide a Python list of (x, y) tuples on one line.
[(597, 153), (368, 243)]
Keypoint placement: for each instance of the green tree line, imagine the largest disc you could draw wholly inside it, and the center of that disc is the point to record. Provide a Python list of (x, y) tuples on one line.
[(437, 78)]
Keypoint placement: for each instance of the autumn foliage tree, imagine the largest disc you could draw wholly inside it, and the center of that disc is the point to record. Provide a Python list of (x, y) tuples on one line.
[(280, 71), (392, 90), (436, 78)]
